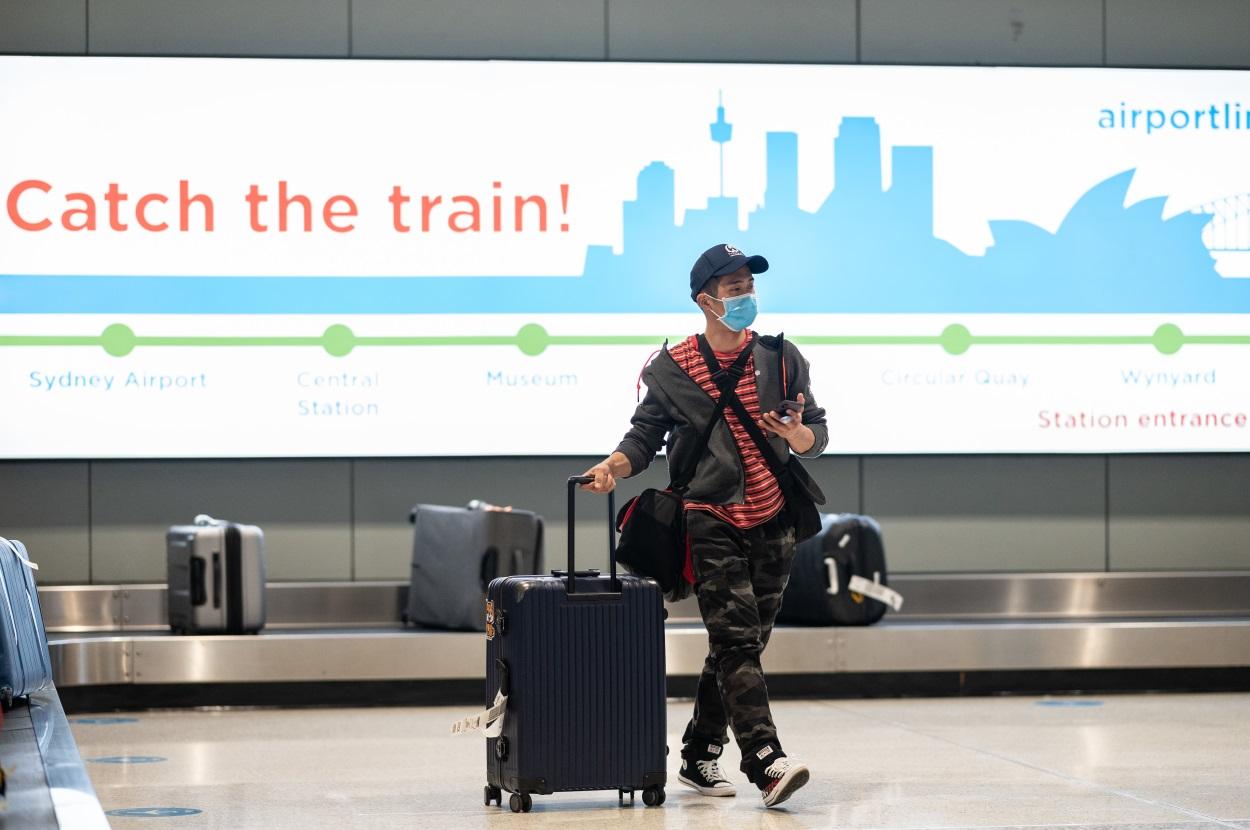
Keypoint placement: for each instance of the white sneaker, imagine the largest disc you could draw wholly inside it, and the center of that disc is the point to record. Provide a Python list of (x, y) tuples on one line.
[(785, 776), (706, 777)]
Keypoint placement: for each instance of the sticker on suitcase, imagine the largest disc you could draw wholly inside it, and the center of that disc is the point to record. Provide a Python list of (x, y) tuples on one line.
[(490, 619)]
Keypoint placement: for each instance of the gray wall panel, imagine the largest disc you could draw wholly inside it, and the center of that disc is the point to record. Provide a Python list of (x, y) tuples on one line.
[(303, 507), (1047, 32), (838, 477), (940, 513), (1172, 33), (1005, 513), (52, 27), (312, 28), (44, 503), (383, 491), (1180, 512), (732, 30), (478, 29)]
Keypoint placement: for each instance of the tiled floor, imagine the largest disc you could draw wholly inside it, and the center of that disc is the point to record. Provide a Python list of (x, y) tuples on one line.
[(1131, 762)]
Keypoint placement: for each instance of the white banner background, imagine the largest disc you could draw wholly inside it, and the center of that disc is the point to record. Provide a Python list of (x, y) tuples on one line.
[(1018, 144)]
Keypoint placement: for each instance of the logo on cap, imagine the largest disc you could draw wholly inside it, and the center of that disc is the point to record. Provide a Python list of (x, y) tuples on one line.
[(732, 251)]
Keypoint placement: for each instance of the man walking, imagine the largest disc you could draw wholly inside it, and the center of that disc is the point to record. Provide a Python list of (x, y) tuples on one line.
[(740, 527)]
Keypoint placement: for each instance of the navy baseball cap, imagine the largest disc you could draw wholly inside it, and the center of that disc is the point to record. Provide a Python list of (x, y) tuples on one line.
[(719, 260)]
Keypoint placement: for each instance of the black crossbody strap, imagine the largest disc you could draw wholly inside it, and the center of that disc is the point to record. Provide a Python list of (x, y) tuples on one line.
[(757, 435), (775, 464), (727, 380)]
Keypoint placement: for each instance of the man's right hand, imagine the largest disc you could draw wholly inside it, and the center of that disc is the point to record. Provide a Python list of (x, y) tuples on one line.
[(604, 481)]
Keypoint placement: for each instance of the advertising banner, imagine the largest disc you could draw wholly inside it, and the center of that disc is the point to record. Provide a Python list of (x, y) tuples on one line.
[(282, 258)]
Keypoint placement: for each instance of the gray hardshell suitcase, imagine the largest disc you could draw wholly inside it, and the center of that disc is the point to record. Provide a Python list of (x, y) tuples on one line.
[(457, 551), (216, 573), (576, 660), (25, 665)]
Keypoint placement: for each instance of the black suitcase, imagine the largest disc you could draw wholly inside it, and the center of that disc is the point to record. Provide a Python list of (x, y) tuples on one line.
[(839, 575), (457, 551), (581, 661)]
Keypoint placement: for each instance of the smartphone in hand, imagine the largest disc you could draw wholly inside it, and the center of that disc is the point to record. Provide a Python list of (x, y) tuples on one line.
[(787, 409)]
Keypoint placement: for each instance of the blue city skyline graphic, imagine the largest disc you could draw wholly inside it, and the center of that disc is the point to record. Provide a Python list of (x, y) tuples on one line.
[(866, 249)]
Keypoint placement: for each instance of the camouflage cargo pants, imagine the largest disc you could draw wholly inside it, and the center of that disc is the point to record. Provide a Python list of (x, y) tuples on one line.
[(739, 579)]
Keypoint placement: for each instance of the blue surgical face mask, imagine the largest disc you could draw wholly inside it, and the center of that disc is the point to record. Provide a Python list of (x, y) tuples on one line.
[(740, 311)]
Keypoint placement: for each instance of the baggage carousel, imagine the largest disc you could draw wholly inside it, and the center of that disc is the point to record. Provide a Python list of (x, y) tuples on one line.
[(965, 634), (47, 783)]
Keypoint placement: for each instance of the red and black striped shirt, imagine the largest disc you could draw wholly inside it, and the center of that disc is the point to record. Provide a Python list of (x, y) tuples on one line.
[(763, 498)]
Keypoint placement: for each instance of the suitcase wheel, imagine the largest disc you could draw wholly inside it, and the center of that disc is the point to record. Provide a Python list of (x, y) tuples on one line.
[(521, 803), (653, 796), (621, 797), (492, 795)]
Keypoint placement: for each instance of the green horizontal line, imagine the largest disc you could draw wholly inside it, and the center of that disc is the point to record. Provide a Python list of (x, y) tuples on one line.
[(532, 339), (42, 340), (1221, 340), (228, 341), (608, 340), (465, 340), (867, 340), (1061, 340)]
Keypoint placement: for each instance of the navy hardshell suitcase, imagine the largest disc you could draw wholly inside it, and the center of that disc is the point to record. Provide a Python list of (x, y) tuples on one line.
[(580, 658), (25, 665)]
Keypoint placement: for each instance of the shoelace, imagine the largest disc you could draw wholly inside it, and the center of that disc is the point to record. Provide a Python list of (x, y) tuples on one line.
[(779, 768), (711, 770)]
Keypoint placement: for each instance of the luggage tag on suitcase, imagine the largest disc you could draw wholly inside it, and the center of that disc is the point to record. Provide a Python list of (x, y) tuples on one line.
[(860, 587), (489, 723), (877, 591)]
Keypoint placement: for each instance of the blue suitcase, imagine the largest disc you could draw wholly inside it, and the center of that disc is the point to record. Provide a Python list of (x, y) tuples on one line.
[(25, 666), (580, 659)]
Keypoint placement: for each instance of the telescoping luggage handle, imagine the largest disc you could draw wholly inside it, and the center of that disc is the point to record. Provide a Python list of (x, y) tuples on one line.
[(574, 483)]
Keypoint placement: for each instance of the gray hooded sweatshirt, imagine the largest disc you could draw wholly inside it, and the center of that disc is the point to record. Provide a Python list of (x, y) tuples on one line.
[(677, 407)]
